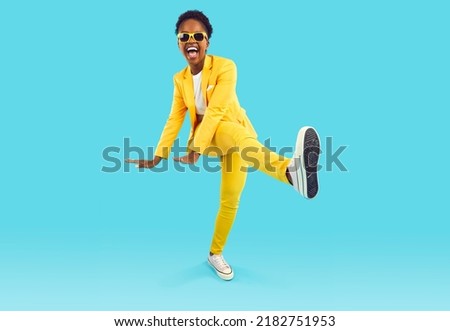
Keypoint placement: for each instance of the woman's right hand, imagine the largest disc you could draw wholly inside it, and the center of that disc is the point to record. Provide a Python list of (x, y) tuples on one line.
[(145, 163)]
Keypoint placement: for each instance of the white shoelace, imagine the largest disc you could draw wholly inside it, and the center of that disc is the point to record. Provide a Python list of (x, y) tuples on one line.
[(219, 262)]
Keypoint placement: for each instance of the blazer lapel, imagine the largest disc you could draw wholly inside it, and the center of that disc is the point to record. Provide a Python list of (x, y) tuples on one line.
[(206, 73), (188, 87)]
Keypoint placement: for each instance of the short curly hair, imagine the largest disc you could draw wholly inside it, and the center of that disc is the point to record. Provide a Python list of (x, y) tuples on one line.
[(198, 16)]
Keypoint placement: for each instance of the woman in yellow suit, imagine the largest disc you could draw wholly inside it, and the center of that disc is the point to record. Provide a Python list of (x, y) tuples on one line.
[(206, 89)]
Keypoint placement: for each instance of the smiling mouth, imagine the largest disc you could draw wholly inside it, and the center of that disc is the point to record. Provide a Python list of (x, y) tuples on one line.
[(192, 52)]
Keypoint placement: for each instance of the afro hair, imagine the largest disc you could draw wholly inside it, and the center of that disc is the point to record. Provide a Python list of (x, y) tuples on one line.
[(198, 16)]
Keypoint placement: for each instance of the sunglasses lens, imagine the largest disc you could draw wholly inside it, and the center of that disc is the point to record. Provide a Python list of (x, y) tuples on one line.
[(183, 37), (198, 36)]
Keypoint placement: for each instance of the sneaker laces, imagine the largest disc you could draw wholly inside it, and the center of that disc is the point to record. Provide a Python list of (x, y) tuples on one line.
[(219, 261)]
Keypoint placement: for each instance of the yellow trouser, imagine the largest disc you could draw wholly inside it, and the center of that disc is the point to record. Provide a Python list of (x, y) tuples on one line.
[(238, 150)]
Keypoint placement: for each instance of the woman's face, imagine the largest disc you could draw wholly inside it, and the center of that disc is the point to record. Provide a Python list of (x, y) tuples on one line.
[(194, 51)]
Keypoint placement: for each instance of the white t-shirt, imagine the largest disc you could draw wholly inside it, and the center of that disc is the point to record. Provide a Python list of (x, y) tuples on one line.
[(200, 104)]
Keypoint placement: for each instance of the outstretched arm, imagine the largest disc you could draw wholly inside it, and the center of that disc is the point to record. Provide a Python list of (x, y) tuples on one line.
[(173, 124), (171, 129)]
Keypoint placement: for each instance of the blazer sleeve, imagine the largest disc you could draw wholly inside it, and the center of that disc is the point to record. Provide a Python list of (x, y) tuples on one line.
[(173, 124), (224, 93)]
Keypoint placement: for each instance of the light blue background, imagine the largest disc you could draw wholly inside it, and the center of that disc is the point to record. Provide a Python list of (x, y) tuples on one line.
[(79, 76)]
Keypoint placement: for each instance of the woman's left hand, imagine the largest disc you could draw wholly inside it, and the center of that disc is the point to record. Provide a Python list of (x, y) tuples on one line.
[(190, 158)]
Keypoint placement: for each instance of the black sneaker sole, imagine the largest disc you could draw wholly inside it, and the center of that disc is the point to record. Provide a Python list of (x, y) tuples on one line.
[(311, 151)]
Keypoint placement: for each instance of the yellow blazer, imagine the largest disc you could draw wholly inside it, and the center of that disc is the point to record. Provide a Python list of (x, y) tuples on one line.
[(219, 76)]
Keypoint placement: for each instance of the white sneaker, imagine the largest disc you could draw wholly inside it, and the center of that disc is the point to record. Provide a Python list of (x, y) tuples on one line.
[(303, 166), (221, 266)]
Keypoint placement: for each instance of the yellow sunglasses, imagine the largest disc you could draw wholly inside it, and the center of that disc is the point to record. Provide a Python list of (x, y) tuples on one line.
[(197, 36)]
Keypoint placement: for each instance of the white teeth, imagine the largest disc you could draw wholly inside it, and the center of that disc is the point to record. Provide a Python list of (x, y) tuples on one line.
[(190, 49)]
